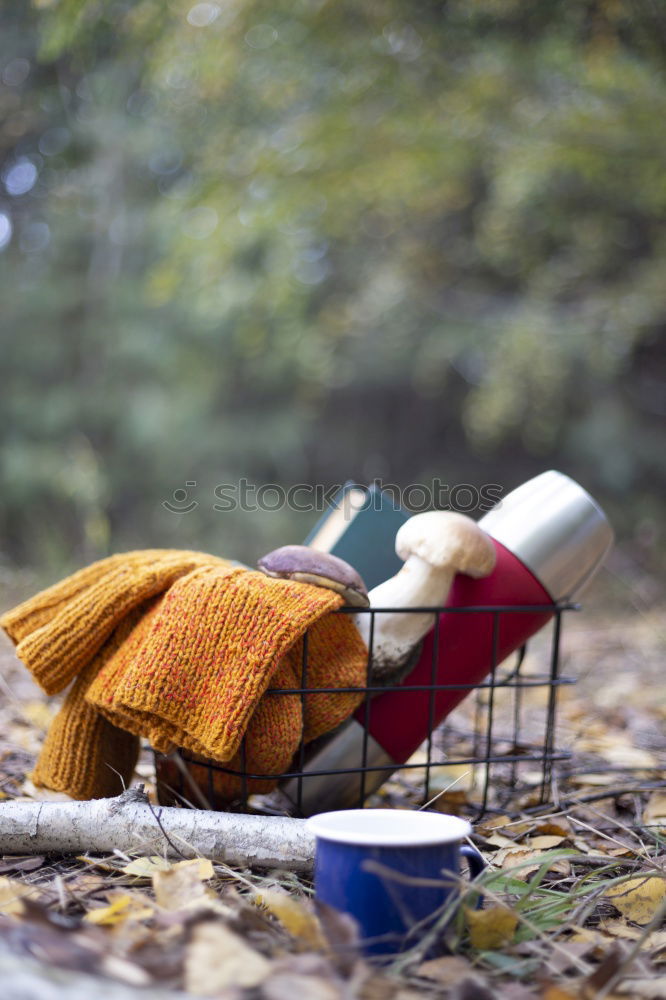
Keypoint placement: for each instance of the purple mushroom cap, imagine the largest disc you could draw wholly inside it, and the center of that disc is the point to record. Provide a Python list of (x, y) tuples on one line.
[(306, 565)]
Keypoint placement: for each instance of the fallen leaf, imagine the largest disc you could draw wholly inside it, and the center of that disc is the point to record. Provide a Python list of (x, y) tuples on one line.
[(122, 908), (653, 988), (638, 899), (656, 941), (101, 863), (559, 828), (523, 861), (21, 863), (450, 802), (293, 914), (492, 927), (545, 842), (446, 971), (11, 893), (447, 777), (654, 813), (594, 938), (616, 748), (216, 958), (146, 867), (499, 840), (181, 886), (520, 829), (583, 847), (489, 825)]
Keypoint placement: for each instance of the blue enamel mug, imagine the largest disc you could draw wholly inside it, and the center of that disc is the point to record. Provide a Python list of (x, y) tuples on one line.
[(394, 871)]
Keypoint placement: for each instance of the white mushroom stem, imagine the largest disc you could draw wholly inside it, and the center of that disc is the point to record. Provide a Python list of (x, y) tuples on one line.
[(435, 546), (418, 584)]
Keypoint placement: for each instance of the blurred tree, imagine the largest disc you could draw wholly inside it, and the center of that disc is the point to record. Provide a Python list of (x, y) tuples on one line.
[(305, 241)]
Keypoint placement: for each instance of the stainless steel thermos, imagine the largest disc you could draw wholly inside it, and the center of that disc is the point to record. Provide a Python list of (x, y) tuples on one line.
[(551, 537)]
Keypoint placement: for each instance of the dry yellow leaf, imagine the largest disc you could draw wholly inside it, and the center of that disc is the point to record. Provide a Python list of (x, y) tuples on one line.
[(559, 827), (545, 842), (496, 823), (597, 939), (499, 840), (122, 908), (181, 886), (204, 866), (520, 829), (492, 927), (655, 811), (11, 892), (450, 802), (217, 958), (529, 860), (656, 941), (146, 867), (638, 899), (293, 915), (451, 777), (97, 863), (446, 971)]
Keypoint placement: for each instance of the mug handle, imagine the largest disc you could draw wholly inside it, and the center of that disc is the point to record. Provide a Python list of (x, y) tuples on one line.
[(476, 865)]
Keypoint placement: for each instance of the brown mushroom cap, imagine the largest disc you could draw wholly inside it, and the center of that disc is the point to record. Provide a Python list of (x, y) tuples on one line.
[(446, 538), (298, 562)]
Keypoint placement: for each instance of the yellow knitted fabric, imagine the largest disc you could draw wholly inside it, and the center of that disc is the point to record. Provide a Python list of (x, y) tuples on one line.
[(180, 648), (83, 754), (60, 629), (335, 657)]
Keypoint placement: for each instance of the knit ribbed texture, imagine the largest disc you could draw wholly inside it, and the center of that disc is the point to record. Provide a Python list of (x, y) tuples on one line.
[(335, 658), (58, 635), (180, 648), (83, 754)]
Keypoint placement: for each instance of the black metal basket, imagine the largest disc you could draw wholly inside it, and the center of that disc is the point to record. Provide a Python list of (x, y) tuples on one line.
[(504, 734)]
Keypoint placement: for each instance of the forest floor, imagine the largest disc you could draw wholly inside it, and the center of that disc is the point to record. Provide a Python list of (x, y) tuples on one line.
[(574, 893)]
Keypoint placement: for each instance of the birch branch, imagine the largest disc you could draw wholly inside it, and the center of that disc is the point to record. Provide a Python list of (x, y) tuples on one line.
[(129, 824)]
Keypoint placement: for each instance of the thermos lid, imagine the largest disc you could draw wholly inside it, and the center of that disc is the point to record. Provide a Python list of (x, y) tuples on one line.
[(555, 528)]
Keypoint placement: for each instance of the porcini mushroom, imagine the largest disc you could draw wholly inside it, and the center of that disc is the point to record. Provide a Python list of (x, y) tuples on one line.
[(306, 565), (434, 546)]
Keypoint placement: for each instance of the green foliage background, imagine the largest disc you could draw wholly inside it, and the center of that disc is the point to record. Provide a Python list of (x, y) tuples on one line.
[(308, 241)]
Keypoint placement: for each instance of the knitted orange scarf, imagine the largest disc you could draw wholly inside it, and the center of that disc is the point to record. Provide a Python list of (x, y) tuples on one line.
[(181, 647)]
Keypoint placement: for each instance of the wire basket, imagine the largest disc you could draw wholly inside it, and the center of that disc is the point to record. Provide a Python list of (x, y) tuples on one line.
[(496, 748)]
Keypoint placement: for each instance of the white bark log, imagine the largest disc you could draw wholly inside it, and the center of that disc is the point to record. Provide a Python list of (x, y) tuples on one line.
[(127, 823)]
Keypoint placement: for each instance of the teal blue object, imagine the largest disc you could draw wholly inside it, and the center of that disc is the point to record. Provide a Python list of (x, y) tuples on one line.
[(365, 535), (394, 871)]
